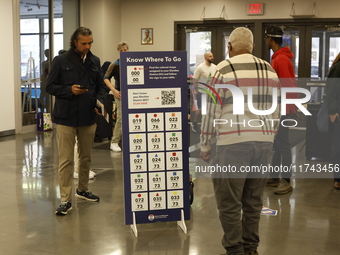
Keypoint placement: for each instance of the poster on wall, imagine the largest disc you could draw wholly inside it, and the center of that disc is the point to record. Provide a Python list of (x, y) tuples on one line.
[(155, 136)]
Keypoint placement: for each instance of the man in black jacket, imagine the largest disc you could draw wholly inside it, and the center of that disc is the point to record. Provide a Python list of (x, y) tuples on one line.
[(76, 81)]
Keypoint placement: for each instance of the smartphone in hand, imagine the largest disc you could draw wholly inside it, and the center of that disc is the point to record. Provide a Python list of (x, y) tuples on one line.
[(82, 87), (336, 121)]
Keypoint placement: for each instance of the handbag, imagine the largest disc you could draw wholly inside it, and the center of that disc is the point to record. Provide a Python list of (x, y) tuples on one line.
[(44, 121), (322, 119)]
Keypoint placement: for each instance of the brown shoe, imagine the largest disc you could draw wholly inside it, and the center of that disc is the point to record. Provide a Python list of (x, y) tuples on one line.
[(273, 182), (283, 188), (337, 185)]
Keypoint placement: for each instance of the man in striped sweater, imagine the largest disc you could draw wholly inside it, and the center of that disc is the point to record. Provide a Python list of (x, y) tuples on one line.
[(245, 120)]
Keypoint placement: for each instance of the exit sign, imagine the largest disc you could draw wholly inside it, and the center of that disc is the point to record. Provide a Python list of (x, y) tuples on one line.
[(255, 9)]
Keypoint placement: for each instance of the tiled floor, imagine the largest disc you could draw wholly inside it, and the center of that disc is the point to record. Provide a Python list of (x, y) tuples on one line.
[(307, 220)]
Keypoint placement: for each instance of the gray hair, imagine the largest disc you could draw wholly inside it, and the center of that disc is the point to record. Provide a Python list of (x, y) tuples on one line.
[(242, 38)]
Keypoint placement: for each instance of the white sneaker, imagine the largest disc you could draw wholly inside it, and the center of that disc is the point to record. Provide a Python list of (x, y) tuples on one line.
[(115, 147), (91, 175)]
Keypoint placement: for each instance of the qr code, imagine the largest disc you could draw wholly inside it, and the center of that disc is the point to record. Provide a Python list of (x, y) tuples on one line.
[(168, 97)]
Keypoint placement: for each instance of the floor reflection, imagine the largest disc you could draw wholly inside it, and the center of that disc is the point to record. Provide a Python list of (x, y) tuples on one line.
[(306, 222)]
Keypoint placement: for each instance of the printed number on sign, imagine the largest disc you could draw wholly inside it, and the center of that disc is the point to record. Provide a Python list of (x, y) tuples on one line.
[(135, 73)]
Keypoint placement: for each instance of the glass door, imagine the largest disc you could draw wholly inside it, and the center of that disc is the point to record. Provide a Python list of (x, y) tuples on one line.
[(198, 42), (36, 39), (291, 39), (30, 67), (325, 47), (226, 35), (35, 55)]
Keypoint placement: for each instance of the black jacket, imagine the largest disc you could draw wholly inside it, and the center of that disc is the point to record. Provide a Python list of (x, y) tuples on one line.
[(66, 70), (332, 89)]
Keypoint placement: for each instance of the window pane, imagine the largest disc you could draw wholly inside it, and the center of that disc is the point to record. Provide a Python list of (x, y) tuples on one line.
[(314, 72), (46, 28), (334, 49), (29, 26), (30, 48), (199, 43), (57, 25), (225, 44), (58, 44)]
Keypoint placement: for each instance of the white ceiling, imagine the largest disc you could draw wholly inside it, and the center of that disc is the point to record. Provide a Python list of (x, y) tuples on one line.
[(39, 7)]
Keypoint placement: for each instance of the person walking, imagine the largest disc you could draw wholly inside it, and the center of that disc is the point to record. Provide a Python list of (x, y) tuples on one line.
[(239, 141), (282, 64), (202, 74)]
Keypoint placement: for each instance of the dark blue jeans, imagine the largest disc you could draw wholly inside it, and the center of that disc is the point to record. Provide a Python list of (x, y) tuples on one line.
[(282, 154), (335, 138)]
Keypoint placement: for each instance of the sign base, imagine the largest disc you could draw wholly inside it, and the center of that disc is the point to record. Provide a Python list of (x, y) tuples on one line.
[(181, 223), (134, 225)]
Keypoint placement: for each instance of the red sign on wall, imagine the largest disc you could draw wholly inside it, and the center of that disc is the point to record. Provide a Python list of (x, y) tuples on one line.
[(255, 9)]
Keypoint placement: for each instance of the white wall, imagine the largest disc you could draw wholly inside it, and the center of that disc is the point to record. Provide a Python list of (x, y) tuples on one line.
[(103, 17), (161, 15), (71, 21), (7, 95), (113, 21)]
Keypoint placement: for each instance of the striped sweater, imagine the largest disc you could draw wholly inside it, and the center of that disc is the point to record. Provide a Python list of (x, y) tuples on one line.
[(256, 118)]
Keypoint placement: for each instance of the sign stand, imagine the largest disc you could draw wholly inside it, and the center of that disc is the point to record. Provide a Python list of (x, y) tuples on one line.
[(181, 223), (134, 226), (154, 101)]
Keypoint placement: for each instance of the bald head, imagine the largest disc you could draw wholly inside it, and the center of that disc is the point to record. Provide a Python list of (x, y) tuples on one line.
[(209, 58)]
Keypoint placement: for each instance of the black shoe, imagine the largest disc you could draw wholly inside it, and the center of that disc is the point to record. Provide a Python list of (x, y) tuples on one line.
[(87, 195), (64, 208), (251, 252)]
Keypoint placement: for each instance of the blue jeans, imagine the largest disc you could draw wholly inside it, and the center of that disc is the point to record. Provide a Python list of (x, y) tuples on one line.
[(236, 192), (335, 138), (282, 155)]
